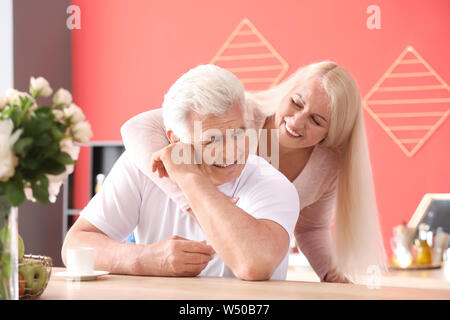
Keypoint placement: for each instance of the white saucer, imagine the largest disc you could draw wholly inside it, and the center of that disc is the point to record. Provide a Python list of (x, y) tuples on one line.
[(81, 277)]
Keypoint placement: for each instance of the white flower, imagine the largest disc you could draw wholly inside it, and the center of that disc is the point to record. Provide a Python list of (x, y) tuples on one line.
[(68, 146), (29, 194), (54, 185), (39, 87), (3, 102), (59, 115), (69, 169), (8, 159), (12, 96), (74, 114), (82, 131), (33, 107), (62, 98), (55, 181)]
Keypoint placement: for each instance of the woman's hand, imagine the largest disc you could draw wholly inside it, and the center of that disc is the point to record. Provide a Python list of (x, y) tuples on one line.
[(335, 276)]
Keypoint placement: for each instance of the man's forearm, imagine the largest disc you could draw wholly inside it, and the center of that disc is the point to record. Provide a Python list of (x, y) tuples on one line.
[(110, 255), (243, 242)]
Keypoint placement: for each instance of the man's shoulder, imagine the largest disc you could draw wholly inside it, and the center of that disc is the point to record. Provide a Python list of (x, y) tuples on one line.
[(258, 171), (256, 162), (125, 165), (128, 170), (261, 185), (124, 161)]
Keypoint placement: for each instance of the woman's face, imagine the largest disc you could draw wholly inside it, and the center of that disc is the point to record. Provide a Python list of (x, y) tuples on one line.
[(303, 118)]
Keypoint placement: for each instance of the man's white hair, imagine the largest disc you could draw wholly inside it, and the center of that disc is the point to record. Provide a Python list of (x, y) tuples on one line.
[(205, 90)]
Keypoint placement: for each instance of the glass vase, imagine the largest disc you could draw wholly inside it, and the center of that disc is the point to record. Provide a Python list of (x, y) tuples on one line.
[(9, 266)]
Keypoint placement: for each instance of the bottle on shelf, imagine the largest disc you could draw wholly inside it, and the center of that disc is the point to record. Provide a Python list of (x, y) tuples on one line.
[(99, 181), (441, 243), (423, 250)]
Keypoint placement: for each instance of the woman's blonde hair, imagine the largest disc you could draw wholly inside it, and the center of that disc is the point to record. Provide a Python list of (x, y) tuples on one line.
[(357, 235)]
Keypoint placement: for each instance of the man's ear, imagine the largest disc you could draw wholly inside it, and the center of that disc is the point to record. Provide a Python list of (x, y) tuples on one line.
[(172, 137)]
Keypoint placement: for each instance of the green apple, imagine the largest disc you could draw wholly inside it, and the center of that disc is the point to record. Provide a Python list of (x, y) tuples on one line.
[(5, 238), (34, 274), (21, 285)]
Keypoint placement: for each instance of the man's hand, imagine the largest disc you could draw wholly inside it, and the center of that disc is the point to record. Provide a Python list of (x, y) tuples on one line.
[(163, 162), (175, 257)]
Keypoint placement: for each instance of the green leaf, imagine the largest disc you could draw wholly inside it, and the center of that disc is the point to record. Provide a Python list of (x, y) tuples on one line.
[(40, 189), (30, 163), (58, 134), (33, 92), (53, 167), (4, 292), (44, 112), (5, 208), (22, 146), (64, 158), (43, 180), (38, 125), (28, 103), (15, 116), (6, 258), (4, 232), (50, 150), (7, 112), (31, 127), (23, 100), (43, 140), (14, 192)]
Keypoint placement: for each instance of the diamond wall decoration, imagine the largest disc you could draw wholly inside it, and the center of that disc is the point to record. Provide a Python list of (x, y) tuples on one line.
[(251, 58), (410, 101)]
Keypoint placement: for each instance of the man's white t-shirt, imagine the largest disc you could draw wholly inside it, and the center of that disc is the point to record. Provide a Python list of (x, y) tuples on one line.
[(129, 201)]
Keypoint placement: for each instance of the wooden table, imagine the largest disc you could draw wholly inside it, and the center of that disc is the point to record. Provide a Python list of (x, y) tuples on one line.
[(300, 270), (438, 279), (123, 287)]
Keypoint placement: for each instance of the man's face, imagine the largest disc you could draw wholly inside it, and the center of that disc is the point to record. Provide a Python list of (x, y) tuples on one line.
[(222, 144)]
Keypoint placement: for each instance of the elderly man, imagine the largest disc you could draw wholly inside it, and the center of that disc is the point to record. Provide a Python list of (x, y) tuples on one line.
[(247, 238)]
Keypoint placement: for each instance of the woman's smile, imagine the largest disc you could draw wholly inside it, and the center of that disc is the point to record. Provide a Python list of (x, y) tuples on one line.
[(291, 132)]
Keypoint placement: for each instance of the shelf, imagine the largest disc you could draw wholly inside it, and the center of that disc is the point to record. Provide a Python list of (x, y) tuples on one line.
[(103, 156), (73, 212)]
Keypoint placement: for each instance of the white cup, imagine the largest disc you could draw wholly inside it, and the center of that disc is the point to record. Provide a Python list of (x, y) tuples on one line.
[(80, 261)]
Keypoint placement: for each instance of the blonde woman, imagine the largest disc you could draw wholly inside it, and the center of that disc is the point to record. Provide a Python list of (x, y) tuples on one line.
[(322, 151)]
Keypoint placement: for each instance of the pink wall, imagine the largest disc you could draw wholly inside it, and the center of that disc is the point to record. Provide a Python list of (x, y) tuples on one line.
[(128, 53)]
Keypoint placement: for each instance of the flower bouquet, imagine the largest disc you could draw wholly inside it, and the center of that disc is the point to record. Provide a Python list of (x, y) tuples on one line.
[(37, 153)]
